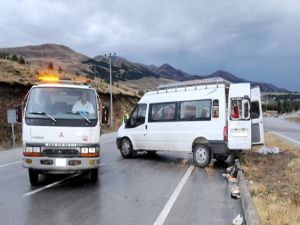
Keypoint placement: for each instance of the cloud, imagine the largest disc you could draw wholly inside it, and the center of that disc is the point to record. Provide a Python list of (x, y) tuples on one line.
[(254, 39)]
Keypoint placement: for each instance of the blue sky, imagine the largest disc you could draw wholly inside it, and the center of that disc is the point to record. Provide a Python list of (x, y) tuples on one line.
[(253, 39)]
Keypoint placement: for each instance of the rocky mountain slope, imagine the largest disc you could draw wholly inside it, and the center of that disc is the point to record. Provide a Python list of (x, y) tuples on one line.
[(123, 70)]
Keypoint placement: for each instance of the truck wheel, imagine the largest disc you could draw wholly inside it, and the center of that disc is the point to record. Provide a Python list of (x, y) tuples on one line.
[(221, 158), (93, 176), (201, 155), (126, 148), (33, 176)]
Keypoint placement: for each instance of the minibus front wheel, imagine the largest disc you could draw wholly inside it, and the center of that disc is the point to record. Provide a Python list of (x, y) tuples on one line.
[(201, 155), (126, 148)]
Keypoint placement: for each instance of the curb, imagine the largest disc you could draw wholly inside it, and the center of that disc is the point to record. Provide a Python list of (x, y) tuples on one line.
[(249, 209)]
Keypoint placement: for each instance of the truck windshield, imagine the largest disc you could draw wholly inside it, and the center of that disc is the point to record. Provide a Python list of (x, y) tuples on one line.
[(62, 103)]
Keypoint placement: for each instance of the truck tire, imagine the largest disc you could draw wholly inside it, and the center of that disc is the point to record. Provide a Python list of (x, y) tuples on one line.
[(93, 176), (221, 158), (201, 155), (126, 148), (33, 177)]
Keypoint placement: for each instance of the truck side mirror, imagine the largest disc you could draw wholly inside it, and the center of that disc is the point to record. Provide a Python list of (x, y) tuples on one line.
[(105, 115), (18, 113)]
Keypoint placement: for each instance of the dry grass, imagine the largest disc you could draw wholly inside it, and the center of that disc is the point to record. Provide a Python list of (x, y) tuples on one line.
[(276, 187)]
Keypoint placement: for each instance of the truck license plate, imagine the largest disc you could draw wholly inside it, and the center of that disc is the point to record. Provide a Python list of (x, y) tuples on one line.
[(60, 162)]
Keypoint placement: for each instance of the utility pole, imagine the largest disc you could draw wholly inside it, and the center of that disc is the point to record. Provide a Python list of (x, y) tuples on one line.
[(110, 90)]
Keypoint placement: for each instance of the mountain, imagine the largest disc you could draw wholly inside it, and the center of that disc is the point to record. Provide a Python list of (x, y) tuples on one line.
[(42, 55), (168, 72), (230, 77), (123, 70)]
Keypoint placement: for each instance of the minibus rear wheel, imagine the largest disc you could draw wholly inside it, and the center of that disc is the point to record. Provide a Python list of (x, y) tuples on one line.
[(33, 176), (201, 155), (126, 148)]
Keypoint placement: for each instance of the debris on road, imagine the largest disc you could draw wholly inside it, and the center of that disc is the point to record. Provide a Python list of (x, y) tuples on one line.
[(235, 192), (267, 150), (238, 220)]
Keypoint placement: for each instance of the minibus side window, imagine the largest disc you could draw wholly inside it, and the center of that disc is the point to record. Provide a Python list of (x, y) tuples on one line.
[(137, 116), (163, 112), (195, 110), (215, 109)]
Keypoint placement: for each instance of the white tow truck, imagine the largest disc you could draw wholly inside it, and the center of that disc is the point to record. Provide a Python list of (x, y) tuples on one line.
[(61, 125)]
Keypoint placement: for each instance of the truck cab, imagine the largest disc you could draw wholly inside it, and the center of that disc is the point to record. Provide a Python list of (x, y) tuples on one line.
[(61, 130)]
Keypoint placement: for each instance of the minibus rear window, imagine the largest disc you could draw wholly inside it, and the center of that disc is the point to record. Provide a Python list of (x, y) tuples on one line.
[(195, 110)]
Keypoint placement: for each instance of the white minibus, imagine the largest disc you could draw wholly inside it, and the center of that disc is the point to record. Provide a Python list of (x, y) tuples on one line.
[(212, 119)]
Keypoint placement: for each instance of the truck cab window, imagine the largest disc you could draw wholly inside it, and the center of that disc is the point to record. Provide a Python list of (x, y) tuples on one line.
[(137, 116)]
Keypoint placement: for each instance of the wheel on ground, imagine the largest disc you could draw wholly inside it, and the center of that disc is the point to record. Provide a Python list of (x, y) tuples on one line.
[(201, 155), (221, 158), (126, 148), (93, 175), (33, 176)]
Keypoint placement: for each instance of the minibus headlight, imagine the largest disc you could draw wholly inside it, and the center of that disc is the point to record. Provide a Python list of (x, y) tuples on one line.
[(92, 150), (84, 150), (28, 149), (36, 149)]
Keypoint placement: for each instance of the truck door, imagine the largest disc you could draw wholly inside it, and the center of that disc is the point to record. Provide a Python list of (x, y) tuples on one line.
[(257, 127), (239, 122)]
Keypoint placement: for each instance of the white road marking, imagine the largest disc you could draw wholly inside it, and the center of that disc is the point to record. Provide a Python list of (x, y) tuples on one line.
[(168, 206), (52, 184), (297, 142), (49, 185), (11, 163)]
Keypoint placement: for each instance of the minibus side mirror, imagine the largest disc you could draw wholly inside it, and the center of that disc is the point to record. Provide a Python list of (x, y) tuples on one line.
[(18, 113)]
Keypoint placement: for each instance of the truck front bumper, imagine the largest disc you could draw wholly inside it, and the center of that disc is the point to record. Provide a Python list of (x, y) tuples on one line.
[(60, 165)]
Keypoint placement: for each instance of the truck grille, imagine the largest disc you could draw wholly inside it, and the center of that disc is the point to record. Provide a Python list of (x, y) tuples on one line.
[(61, 153)]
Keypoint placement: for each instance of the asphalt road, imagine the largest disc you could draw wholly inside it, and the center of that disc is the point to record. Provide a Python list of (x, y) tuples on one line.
[(283, 128), (165, 189)]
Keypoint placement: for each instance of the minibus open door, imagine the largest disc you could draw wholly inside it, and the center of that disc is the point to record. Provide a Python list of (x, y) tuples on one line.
[(257, 127), (239, 122)]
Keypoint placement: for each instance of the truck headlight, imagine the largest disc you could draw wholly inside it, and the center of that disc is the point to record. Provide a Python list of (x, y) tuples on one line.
[(36, 149), (92, 150), (28, 149), (84, 150)]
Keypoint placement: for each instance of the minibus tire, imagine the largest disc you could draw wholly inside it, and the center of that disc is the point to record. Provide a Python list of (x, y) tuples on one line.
[(33, 177), (93, 175), (126, 148), (201, 155)]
